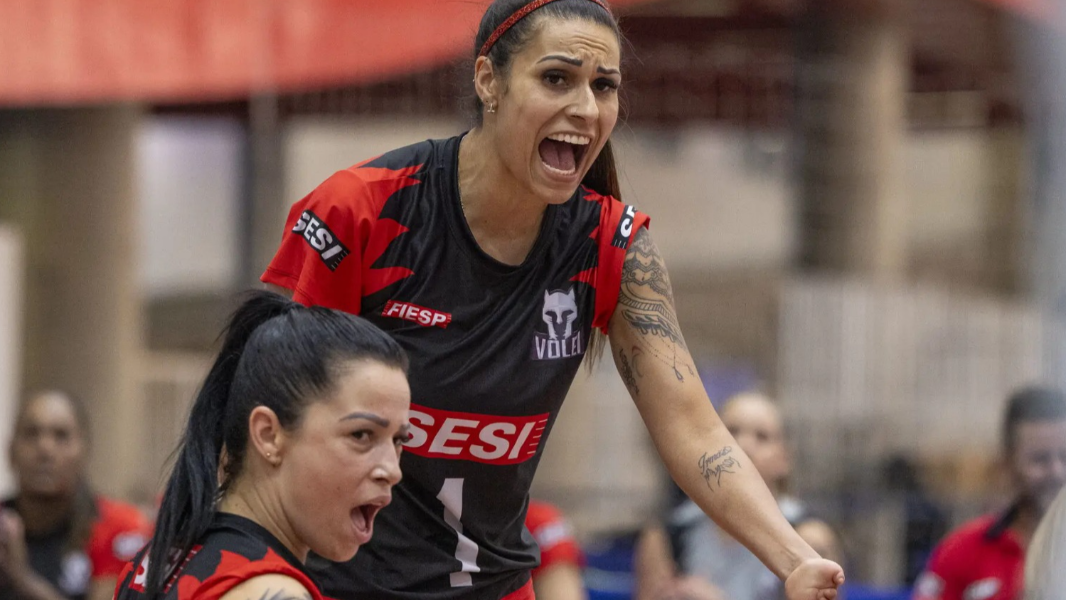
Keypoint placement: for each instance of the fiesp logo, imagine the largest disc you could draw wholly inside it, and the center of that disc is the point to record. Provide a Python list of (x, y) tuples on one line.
[(485, 439), (321, 239), (426, 317)]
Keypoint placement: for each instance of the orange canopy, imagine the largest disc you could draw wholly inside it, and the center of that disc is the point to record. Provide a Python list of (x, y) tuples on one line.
[(78, 51)]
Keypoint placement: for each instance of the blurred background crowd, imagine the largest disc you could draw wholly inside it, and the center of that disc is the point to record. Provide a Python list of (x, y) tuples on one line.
[(862, 202)]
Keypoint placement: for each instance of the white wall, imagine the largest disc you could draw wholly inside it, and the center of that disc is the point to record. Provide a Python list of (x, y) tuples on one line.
[(11, 293), (189, 179)]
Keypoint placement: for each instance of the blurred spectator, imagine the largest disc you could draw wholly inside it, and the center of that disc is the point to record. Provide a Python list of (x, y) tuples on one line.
[(57, 539), (982, 560), (1045, 565), (559, 575), (692, 559), (925, 522)]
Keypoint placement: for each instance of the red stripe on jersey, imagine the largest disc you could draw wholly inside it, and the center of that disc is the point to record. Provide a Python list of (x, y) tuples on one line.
[(488, 439)]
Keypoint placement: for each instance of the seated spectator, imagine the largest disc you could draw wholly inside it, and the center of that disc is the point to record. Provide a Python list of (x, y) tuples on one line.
[(559, 575), (982, 560), (59, 540), (692, 559), (1045, 566)]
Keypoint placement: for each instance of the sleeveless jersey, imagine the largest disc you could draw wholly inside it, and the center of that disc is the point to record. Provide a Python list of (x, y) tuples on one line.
[(233, 551), (493, 349)]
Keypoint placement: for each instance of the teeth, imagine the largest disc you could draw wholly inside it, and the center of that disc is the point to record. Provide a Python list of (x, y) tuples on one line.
[(577, 140), (559, 171)]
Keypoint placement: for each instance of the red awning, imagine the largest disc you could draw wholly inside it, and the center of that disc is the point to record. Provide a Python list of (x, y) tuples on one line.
[(78, 51)]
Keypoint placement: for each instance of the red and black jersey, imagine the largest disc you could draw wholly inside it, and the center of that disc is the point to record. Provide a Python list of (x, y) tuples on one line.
[(233, 550), (493, 348), (981, 560), (118, 531)]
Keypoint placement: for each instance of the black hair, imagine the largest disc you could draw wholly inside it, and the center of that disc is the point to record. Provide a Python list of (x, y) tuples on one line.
[(1028, 405), (83, 508), (276, 353), (602, 176)]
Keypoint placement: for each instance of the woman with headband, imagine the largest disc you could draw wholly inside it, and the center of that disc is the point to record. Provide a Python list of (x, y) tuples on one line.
[(499, 259)]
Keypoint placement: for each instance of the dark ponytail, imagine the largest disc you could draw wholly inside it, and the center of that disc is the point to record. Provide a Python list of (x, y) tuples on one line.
[(275, 353)]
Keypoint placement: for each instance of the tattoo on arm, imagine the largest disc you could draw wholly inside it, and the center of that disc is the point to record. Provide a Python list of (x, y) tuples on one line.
[(647, 304), (627, 370), (283, 595), (716, 465)]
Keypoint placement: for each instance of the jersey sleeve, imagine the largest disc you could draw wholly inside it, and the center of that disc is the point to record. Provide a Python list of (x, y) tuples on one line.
[(320, 257), (944, 576), (554, 536), (619, 224), (216, 586), (120, 532)]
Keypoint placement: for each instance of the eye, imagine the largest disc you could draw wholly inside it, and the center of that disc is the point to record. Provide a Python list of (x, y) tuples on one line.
[(361, 435), (555, 78), (400, 439), (605, 85)]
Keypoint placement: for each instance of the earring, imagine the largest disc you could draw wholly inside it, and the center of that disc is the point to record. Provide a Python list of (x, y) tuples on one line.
[(491, 107)]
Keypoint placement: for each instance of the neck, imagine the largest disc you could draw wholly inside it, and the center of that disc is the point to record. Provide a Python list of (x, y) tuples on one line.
[(504, 217), (41, 514), (1025, 523), (256, 503)]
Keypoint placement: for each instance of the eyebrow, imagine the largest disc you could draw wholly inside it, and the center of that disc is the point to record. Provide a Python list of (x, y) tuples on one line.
[(577, 62), (368, 416)]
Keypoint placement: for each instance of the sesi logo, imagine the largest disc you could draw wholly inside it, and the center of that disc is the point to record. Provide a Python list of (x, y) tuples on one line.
[(625, 227), (485, 439), (321, 239), (426, 317)]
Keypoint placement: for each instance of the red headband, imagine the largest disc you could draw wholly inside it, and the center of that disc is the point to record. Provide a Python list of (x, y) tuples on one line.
[(518, 16)]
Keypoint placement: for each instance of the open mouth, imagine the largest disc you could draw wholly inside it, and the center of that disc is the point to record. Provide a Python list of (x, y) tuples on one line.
[(561, 153), (363, 518)]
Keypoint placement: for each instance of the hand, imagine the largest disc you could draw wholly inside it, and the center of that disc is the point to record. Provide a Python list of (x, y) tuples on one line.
[(13, 555), (814, 579), (692, 587)]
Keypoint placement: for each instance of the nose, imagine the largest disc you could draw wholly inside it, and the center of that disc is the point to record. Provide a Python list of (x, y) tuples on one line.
[(584, 105), (387, 470)]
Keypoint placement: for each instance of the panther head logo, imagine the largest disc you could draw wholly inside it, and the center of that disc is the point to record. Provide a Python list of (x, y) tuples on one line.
[(560, 311)]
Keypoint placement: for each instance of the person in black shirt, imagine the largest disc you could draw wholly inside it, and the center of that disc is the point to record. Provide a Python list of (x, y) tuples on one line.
[(292, 445), (500, 259)]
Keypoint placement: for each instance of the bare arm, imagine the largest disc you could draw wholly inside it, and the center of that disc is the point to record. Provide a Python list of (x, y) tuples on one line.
[(653, 565), (703, 458), (560, 582), (103, 588), (268, 587)]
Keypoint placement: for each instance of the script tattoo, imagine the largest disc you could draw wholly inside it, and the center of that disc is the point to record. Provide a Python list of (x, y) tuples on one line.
[(716, 465), (647, 304), (627, 371), (283, 595)]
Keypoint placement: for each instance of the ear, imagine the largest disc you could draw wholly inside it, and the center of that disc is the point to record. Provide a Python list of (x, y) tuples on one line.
[(570, 294), (265, 434), (546, 296), (486, 83)]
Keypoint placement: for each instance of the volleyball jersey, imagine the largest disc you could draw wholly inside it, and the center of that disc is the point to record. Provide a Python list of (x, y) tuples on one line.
[(118, 531), (493, 349), (981, 560), (233, 550)]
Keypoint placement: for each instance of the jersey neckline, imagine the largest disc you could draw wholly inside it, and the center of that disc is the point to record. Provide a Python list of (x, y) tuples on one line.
[(254, 530), (461, 228)]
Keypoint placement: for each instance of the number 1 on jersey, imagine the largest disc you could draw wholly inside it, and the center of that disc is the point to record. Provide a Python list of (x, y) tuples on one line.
[(451, 496)]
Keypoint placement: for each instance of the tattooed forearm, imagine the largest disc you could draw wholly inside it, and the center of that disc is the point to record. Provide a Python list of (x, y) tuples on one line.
[(716, 465), (283, 595), (627, 370)]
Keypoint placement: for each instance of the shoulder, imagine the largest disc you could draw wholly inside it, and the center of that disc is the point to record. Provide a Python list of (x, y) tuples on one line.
[(273, 586), (957, 549), (374, 181), (541, 513), (119, 531)]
